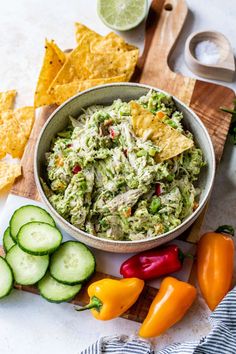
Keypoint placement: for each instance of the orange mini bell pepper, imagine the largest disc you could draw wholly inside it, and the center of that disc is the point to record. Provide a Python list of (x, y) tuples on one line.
[(215, 263), (110, 298), (168, 307)]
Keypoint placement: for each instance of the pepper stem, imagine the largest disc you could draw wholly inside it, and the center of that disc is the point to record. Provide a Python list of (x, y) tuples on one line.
[(95, 303), (226, 229), (182, 255)]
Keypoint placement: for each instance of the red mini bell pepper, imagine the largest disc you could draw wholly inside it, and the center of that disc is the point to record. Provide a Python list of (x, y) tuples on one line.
[(153, 263)]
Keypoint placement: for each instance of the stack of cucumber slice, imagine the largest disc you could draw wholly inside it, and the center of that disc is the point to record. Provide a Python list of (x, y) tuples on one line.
[(34, 254)]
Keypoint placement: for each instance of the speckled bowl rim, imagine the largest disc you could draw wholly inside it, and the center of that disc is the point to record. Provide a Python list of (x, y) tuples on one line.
[(184, 225)]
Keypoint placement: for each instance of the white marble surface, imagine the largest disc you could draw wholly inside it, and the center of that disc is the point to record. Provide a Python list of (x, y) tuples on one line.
[(28, 324)]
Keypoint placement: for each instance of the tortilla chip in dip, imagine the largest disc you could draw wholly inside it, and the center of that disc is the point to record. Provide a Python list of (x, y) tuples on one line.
[(150, 126)]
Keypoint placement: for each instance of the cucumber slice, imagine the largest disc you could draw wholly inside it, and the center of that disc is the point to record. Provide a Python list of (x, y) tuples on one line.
[(8, 241), (72, 263), (6, 278), (39, 238), (54, 291), (27, 214), (27, 269)]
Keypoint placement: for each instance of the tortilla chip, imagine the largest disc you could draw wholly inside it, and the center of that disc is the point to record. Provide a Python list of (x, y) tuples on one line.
[(53, 61), (82, 65), (110, 43), (65, 91), (101, 44), (8, 173), (13, 141), (7, 100), (82, 31), (96, 60), (7, 124), (113, 64), (25, 118), (74, 68), (147, 125), (15, 128)]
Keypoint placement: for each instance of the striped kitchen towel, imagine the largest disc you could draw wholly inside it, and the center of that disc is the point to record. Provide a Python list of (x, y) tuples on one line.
[(221, 339), (120, 344)]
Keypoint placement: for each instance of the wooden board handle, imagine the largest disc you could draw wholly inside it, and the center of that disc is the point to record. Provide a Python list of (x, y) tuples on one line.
[(156, 71), (170, 24)]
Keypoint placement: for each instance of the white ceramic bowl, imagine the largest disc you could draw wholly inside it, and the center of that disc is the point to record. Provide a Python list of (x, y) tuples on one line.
[(105, 95)]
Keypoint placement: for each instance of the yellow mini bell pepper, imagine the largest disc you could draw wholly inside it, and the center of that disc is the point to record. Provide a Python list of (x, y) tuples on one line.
[(110, 298), (168, 307)]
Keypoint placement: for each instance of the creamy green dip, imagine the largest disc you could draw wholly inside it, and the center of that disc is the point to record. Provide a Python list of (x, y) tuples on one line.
[(105, 180)]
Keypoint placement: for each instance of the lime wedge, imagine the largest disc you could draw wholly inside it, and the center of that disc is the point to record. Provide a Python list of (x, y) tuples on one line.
[(122, 15)]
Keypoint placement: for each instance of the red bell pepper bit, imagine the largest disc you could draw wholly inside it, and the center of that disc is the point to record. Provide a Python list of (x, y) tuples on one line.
[(154, 263), (112, 133), (158, 190), (76, 169)]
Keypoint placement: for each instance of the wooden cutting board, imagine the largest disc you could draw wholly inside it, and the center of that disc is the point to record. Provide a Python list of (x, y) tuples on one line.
[(164, 24)]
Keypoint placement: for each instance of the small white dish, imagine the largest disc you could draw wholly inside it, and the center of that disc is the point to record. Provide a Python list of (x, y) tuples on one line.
[(223, 69)]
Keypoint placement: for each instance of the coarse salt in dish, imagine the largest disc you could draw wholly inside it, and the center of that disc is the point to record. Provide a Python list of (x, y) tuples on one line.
[(207, 52)]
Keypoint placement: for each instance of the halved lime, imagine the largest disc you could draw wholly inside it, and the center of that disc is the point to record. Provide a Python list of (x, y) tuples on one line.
[(122, 15)]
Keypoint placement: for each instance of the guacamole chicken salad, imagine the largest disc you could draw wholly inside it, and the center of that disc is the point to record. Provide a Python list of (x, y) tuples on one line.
[(125, 171)]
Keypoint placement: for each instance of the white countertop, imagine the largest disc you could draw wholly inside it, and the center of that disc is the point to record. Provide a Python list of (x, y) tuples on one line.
[(29, 324)]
